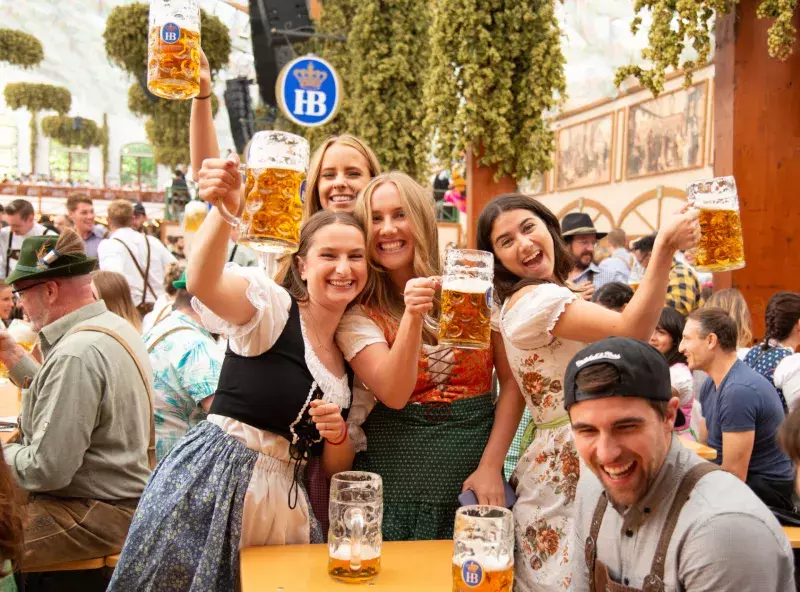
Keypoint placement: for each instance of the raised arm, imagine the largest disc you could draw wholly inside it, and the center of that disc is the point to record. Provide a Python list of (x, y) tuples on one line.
[(202, 135), (391, 373)]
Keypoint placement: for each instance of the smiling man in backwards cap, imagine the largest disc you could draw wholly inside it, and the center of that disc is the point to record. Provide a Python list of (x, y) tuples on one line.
[(86, 418), (652, 515)]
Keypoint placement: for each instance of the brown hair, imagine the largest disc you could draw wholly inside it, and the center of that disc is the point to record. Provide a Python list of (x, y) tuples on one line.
[(617, 238), (783, 312), (172, 273), (292, 280), (789, 435), (11, 533), (120, 213), (114, 290), (715, 320), (78, 198), (601, 378), (505, 282), (419, 208), (312, 204), (731, 301), (20, 206)]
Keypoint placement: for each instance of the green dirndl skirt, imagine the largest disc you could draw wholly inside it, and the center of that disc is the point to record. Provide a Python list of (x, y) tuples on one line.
[(424, 453)]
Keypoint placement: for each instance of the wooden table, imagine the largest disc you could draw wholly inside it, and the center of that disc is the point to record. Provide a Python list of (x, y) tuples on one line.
[(421, 566), (793, 534), (702, 450), (9, 405)]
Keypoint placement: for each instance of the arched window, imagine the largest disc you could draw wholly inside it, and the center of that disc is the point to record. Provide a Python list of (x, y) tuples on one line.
[(137, 166), (68, 163), (8, 145)]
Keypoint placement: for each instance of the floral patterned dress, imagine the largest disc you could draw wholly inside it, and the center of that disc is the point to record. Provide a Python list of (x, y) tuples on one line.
[(546, 476)]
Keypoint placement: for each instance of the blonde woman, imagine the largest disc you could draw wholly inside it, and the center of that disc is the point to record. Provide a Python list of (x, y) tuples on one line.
[(115, 291), (731, 301), (427, 433)]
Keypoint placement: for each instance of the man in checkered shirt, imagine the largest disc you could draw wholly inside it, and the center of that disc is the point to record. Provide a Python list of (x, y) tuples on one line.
[(684, 291)]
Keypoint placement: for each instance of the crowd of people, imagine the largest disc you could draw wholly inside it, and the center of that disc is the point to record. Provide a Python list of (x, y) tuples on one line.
[(179, 415)]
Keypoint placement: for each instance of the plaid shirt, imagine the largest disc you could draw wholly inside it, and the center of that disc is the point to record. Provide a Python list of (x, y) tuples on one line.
[(515, 451), (683, 291)]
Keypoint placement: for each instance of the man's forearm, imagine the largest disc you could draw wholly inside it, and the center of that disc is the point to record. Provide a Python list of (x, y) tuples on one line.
[(22, 367)]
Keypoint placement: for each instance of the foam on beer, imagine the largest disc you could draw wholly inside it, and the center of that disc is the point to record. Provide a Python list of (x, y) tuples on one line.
[(22, 332), (277, 150), (342, 552), (488, 562), (467, 285)]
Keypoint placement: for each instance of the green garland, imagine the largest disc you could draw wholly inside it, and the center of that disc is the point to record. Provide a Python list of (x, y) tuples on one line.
[(37, 97), (20, 49), (34, 141), (680, 24), (64, 129), (106, 151), (496, 69)]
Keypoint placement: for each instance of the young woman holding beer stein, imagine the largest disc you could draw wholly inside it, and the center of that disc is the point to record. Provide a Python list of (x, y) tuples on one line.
[(543, 324), (428, 431)]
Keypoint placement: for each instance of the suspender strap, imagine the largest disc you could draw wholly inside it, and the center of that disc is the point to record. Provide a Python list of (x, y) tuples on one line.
[(160, 338), (655, 581), (590, 549), (8, 251), (151, 447), (233, 252), (144, 273)]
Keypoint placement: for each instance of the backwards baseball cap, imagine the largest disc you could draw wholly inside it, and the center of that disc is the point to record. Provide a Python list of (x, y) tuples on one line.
[(643, 372)]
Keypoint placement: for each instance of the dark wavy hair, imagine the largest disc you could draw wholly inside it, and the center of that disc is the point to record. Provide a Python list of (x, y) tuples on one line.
[(783, 312), (672, 323), (506, 282), (613, 295), (292, 280)]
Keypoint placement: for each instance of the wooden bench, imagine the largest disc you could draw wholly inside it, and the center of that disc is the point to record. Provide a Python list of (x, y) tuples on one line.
[(83, 564)]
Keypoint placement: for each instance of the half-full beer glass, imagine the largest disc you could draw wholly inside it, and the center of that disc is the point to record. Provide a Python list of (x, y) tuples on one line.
[(274, 191), (467, 292), (721, 247), (483, 549), (193, 215), (356, 515), (25, 336), (173, 49)]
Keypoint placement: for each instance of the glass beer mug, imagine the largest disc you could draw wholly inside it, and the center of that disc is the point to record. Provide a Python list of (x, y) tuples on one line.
[(173, 56), (721, 247), (483, 549), (193, 215), (274, 191), (354, 538), (25, 336), (467, 293)]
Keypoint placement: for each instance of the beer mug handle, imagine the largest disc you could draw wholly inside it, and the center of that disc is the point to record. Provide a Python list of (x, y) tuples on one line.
[(223, 211), (354, 521)]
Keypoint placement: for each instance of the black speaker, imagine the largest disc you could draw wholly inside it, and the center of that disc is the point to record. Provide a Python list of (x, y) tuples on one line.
[(271, 52), (240, 111)]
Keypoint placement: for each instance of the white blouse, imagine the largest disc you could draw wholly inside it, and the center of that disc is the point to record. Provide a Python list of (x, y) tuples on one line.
[(272, 303)]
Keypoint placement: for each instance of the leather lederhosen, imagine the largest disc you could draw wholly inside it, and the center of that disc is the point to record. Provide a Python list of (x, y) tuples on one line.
[(599, 578)]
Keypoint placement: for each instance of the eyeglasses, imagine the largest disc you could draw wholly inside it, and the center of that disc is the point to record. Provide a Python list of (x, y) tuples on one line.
[(16, 293)]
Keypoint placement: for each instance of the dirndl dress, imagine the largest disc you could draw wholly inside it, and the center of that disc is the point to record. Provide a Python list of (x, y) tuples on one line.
[(228, 484), (425, 451)]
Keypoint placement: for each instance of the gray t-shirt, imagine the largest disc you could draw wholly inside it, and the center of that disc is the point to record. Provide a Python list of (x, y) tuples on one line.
[(726, 540)]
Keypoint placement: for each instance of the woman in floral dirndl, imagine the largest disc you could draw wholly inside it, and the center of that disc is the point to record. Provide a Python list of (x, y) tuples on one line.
[(428, 413), (543, 325), (235, 480)]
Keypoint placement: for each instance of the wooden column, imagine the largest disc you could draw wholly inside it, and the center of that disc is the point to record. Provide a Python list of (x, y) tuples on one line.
[(757, 139), (481, 188)]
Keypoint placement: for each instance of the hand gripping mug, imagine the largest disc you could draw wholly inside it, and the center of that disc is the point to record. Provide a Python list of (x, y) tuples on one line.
[(483, 549), (356, 516), (721, 247), (274, 192), (467, 293), (173, 56)]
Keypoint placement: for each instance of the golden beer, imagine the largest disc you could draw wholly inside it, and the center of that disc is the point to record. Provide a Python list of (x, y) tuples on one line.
[(193, 215), (634, 285), (721, 247), (173, 66), (25, 338), (465, 320), (482, 576), (340, 568), (273, 209)]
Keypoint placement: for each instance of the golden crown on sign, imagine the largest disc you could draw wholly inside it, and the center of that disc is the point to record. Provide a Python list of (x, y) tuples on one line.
[(310, 78), (472, 567)]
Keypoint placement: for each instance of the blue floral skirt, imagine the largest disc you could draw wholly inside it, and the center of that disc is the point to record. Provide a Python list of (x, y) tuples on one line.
[(210, 496)]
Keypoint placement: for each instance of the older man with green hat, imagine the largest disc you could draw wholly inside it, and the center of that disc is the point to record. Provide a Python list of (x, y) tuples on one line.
[(86, 421)]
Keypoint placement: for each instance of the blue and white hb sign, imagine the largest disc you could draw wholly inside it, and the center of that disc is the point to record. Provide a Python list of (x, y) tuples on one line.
[(309, 91)]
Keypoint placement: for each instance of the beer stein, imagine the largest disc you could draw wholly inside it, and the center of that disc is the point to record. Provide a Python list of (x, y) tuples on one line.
[(467, 294), (721, 247), (193, 215), (25, 336), (354, 538), (274, 191), (483, 549), (173, 49)]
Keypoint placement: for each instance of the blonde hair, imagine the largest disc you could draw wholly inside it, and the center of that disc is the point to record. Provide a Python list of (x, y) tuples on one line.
[(120, 213), (419, 207), (114, 290), (312, 204), (732, 302)]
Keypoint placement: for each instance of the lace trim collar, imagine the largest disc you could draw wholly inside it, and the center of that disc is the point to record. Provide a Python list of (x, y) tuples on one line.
[(335, 389)]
